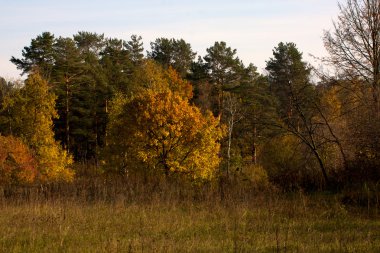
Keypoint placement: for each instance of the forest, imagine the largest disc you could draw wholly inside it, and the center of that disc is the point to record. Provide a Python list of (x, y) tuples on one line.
[(104, 120)]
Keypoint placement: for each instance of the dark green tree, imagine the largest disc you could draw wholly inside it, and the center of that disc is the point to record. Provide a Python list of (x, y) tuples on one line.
[(117, 65), (224, 66), (289, 79), (199, 78), (39, 55), (89, 103), (172, 52), (135, 49), (90, 43), (224, 70), (81, 87), (9, 93), (259, 109), (66, 78)]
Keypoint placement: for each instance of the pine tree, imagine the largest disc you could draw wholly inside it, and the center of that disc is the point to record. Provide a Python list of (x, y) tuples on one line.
[(171, 52), (224, 69), (39, 55), (289, 78)]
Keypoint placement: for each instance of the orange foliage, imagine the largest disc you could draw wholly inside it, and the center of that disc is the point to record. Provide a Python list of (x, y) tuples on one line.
[(17, 164), (178, 85)]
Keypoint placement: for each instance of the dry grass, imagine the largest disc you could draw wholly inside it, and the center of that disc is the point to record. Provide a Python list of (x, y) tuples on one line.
[(118, 217)]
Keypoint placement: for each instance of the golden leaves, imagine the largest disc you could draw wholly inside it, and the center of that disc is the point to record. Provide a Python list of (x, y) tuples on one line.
[(36, 110), (162, 130)]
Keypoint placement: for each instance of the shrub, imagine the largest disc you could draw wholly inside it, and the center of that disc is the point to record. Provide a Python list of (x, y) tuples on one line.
[(17, 165)]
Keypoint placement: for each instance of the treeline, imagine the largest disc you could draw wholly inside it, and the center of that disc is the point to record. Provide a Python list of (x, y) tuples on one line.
[(103, 101)]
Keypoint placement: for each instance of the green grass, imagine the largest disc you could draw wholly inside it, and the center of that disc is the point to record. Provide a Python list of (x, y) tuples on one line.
[(265, 223)]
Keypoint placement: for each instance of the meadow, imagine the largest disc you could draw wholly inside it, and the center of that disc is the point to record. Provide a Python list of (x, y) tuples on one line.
[(120, 216)]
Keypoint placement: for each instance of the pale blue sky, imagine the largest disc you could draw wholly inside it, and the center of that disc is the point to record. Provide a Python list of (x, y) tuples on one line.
[(253, 27)]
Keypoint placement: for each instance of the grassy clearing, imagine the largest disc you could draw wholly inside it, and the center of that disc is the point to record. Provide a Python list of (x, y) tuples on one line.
[(264, 223)]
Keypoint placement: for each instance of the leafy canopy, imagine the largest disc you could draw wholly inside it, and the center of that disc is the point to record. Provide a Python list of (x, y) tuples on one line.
[(162, 131), (34, 110)]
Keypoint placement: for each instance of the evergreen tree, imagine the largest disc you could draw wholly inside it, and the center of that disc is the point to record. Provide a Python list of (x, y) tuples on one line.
[(224, 69), (297, 100), (39, 55), (135, 49), (66, 76), (117, 65), (289, 79), (172, 52), (224, 66)]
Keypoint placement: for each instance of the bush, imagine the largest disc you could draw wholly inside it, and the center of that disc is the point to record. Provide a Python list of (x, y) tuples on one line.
[(289, 164), (17, 165), (257, 175)]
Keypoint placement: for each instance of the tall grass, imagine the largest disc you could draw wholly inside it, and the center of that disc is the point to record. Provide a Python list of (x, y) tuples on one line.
[(137, 214)]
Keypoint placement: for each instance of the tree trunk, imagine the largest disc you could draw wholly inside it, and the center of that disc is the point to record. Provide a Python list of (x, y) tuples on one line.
[(230, 128), (323, 169), (254, 149), (67, 126)]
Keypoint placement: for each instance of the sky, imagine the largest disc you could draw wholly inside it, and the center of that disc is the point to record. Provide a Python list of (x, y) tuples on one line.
[(253, 27)]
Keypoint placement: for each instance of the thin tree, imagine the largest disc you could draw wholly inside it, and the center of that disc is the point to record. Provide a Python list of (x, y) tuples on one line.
[(233, 114), (354, 44)]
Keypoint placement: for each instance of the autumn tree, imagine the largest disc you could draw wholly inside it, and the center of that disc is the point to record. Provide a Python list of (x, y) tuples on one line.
[(354, 44), (32, 121), (17, 164), (354, 50), (335, 111), (161, 131), (152, 76)]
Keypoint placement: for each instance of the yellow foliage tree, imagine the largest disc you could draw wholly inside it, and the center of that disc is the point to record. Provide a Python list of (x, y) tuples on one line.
[(33, 122), (148, 76), (162, 131), (178, 85), (151, 76)]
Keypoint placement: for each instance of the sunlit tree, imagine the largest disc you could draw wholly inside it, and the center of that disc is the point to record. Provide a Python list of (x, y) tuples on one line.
[(161, 131), (33, 122)]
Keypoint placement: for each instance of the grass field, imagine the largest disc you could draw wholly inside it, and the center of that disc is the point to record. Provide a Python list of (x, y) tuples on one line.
[(262, 222)]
